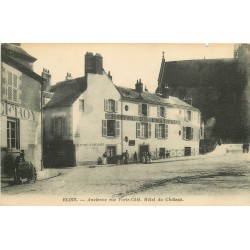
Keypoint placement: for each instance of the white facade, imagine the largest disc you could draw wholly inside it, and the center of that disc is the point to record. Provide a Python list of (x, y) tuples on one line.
[(106, 118)]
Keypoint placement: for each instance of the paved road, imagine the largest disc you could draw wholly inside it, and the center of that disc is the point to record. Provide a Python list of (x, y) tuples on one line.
[(229, 174)]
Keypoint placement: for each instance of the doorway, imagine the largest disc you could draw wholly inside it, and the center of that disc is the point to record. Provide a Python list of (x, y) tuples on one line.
[(187, 151), (143, 149), (111, 154)]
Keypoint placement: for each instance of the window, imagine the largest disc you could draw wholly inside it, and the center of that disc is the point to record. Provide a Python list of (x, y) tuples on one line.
[(143, 130), (58, 127), (143, 109), (81, 105), (110, 128), (161, 111), (13, 133), (161, 131), (12, 89), (188, 115), (187, 133), (110, 105)]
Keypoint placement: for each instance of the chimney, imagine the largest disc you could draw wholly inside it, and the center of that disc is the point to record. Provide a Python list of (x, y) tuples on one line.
[(47, 76), (139, 86), (110, 76), (93, 64), (68, 76), (165, 92), (98, 64)]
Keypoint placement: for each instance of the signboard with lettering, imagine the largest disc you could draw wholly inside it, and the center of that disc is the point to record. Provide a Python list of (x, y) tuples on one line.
[(140, 119), (15, 111), (131, 142)]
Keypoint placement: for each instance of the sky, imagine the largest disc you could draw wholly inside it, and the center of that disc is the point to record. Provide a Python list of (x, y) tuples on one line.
[(126, 62)]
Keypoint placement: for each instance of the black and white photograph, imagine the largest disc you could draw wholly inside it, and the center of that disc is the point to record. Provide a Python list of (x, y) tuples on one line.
[(146, 124)]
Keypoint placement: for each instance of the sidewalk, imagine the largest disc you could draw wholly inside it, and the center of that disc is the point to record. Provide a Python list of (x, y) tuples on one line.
[(41, 175)]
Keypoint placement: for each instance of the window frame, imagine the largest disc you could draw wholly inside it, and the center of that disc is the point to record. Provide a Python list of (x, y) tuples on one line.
[(12, 87), (16, 137)]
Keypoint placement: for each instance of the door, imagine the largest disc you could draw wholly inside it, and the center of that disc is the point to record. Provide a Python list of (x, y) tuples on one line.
[(144, 149), (162, 153), (111, 154), (187, 151)]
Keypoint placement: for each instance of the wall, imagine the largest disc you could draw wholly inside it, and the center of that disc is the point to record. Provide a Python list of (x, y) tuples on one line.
[(87, 125)]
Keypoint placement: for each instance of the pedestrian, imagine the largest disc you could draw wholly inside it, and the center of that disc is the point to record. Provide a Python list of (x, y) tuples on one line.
[(126, 157), (247, 147), (244, 147), (142, 157), (135, 157), (104, 158)]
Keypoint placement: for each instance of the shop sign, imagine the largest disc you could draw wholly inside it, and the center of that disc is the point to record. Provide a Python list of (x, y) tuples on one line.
[(15, 111)]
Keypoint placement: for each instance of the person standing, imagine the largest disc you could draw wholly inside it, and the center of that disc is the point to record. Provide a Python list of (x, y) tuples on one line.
[(126, 157), (135, 157), (104, 158)]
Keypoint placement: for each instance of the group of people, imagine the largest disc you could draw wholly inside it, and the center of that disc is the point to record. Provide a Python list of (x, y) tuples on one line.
[(164, 155), (144, 157)]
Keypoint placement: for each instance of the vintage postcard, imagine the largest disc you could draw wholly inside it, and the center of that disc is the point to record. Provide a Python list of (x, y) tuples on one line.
[(125, 124)]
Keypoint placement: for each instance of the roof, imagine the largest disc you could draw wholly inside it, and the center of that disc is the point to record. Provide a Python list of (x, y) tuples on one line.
[(14, 50), (203, 72), (147, 97), (67, 92), (17, 65)]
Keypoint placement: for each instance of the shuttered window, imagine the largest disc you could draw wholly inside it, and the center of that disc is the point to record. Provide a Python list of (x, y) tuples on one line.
[(12, 88), (161, 111), (59, 126), (110, 105), (161, 131), (117, 128), (104, 128), (138, 129), (110, 128), (188, 133)]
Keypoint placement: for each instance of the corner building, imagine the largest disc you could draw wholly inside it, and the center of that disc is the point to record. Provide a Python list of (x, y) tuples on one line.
[(20, 108), (89, 115)]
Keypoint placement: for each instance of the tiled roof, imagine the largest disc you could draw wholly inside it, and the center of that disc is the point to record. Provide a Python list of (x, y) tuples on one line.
[(66, 92), (203, 72), (132, 95), (17, 65), (13, 50)]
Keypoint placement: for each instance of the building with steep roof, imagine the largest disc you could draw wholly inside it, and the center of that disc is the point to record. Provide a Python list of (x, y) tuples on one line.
[(90, 115), (20, 108), (219, 88)]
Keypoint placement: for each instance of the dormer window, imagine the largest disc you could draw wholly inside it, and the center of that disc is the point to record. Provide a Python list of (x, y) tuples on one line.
[(110, 105)]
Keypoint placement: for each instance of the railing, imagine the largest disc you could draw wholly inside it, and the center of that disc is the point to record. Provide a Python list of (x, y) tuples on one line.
[(173, 153)]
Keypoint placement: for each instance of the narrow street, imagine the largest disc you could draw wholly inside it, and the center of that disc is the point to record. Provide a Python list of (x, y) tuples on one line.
[(224, 175)]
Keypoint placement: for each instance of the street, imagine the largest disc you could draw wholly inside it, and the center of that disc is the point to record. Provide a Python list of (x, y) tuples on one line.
[(223, 175)]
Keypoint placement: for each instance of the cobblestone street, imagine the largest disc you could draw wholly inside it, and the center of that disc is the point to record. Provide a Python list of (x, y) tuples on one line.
[(224, 175)]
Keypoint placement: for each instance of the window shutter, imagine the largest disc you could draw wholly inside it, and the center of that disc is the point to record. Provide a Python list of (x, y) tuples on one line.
[(52, 128), (149, 130), (148, 110), (64, 126), (138, 129), (158, 111), (165, 112), (156, 130), (117, 128), (105, 105), (116, 106), (166, 131), (139, 108), (104, 128), (184, 133), (4, 131), (192, 133)]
